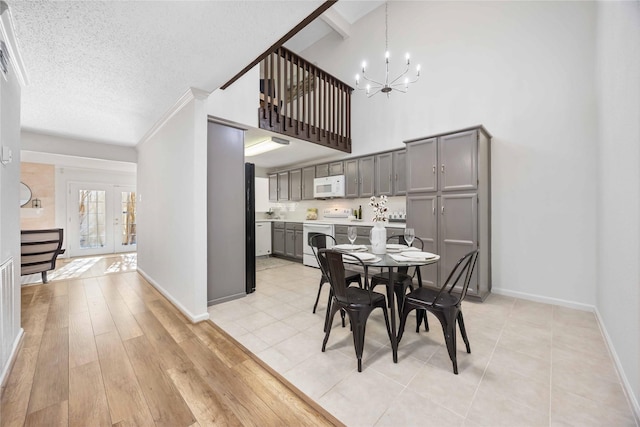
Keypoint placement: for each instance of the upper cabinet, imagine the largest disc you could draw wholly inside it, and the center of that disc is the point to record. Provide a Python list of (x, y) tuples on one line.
[(308, 175), (273, 187), (336, 168), (384, 174), (366, 173), (421, 165), (351, 178), (295, 185), (458, 154), (283, 185), (399, 173)]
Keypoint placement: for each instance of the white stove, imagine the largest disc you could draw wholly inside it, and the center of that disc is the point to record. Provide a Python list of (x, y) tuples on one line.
[(310, 228)]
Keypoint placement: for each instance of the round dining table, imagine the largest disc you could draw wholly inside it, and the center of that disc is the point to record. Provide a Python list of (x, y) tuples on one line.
[(390, 261)]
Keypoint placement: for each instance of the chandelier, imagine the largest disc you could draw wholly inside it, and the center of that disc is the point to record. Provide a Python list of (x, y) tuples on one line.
[(373, 86)]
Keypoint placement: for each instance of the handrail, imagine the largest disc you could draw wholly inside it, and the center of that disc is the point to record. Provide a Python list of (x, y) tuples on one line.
[(300, 100)]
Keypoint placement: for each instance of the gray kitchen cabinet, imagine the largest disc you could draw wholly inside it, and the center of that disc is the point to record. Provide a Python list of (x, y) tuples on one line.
[(295, 185), (336, 168), (283, 185), (422, 216), (290, 243), (421, 165), (298, 244), (399, 173), (366, 176), (449, 202), (351, 178), (308, 175), (384, 174), (278, 240), (458, 155), (273, 187), (322, 170)]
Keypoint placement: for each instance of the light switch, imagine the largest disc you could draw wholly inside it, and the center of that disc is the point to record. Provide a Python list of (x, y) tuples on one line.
[(6, 155)]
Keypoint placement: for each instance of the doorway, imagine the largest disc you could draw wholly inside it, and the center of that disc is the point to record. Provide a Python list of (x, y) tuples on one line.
[(101, 218)]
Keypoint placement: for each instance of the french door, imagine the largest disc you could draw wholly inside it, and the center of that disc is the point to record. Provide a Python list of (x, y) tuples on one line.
[(101, 218)]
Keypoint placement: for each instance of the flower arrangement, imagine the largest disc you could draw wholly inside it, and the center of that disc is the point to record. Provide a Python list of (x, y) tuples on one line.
[(379, 208)]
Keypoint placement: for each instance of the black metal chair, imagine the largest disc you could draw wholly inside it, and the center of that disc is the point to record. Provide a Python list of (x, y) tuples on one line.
[(444, 304), (356, 302), (401, 278), (319, 241)]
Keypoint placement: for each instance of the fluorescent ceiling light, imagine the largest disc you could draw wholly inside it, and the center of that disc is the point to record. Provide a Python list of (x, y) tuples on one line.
[(263, 146)]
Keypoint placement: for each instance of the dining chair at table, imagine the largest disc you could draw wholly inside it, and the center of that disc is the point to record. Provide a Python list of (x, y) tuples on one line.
[(358, 303), (317, 242), (444, 305), (401, 279)]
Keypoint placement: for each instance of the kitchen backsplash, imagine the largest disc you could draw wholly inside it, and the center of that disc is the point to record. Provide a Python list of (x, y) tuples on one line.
[(297, 211)]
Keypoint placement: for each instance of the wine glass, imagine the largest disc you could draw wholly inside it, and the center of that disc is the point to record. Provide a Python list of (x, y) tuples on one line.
[(352, 234), (409, 235)]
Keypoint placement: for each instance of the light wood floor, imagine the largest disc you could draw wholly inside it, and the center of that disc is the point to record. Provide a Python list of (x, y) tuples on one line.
[(111, 350)]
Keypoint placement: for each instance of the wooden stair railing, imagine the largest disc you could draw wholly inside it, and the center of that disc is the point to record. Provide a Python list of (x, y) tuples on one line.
[(300, 100)]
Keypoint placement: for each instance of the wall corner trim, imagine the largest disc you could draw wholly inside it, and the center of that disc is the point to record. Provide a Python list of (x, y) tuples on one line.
[(628, 390), (194, 318), (8, 34), (6, 370), (191, 94)]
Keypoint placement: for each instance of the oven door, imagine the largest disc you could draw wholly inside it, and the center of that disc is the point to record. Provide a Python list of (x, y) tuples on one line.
[(309, 230)]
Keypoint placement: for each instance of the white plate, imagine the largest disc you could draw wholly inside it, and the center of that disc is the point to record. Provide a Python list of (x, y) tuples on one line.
[(418, 255), (394, 247), (365, 256), (348, 247)]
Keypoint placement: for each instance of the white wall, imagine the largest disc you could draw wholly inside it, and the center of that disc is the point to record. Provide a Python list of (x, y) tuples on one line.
[(9, 192), (44, 143), (523, 69), (235, 102), (172, 209), (618, 202)]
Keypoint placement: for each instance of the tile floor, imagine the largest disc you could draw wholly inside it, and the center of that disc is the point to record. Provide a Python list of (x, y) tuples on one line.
[(531, 364)]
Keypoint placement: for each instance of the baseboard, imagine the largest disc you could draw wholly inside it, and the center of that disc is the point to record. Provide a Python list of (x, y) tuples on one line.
[(192, 317), (226, 299), (633, 401), (12, 359), (543, 299)]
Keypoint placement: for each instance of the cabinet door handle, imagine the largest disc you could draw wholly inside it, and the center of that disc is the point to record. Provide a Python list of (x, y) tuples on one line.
[(442, 210), (442, 168), (434, 168)]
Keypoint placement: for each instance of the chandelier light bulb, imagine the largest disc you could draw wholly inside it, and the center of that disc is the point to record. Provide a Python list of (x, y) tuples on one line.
[(368, 89), (364, 65), (357, 79), (406, 82), (418, 70), (407, 56)]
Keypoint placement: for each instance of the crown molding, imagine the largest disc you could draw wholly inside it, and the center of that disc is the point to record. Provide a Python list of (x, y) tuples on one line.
[(191, 94), (8, 34)]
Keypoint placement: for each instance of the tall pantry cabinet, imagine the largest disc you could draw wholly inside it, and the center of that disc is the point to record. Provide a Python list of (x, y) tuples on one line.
[(449, 202)]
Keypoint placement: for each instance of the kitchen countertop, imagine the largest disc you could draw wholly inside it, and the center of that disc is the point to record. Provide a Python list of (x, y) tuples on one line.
[(337, 221)]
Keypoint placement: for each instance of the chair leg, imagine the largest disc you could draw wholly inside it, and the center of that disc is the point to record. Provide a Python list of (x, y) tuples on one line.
[(463, 331), (44, 277), (419, 318), (358, 320), (403, 319), (448, 321), (327, 329), (326, 316), (322, 281)]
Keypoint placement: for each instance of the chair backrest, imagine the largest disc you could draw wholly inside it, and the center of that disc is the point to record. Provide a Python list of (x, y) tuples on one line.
[(417, 242), (319, 241), (464, 266), (334, 261)]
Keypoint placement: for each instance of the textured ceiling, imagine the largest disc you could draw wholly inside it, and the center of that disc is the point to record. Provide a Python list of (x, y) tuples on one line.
[(107, 71)]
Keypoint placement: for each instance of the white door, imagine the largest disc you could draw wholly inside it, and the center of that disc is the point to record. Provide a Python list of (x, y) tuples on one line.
[(101, 219)]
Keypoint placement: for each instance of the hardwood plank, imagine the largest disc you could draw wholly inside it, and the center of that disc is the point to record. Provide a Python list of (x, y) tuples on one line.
[(15, 397), (60, 288), (241, 399), (121, 385), (92, 288), (77, 297), (122, 317), (54, 415), (87, 399), (51, 379), (100, 316), (27, 293), (134, 302), (167, 406), (43, 296), (34, 321), (140, 286), (169, 352), (207, 407), (58, 316), (178, 330), (225, 349), (82, 345)]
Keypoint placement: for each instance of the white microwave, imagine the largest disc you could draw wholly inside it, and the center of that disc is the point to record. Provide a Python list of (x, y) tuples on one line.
[(330, 186)]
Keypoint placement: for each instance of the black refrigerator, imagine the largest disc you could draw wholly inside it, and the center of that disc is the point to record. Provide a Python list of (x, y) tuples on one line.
[(250, 224)]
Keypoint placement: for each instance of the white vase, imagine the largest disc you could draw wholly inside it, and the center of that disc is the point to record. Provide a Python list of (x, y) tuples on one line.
[(378, 237)]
